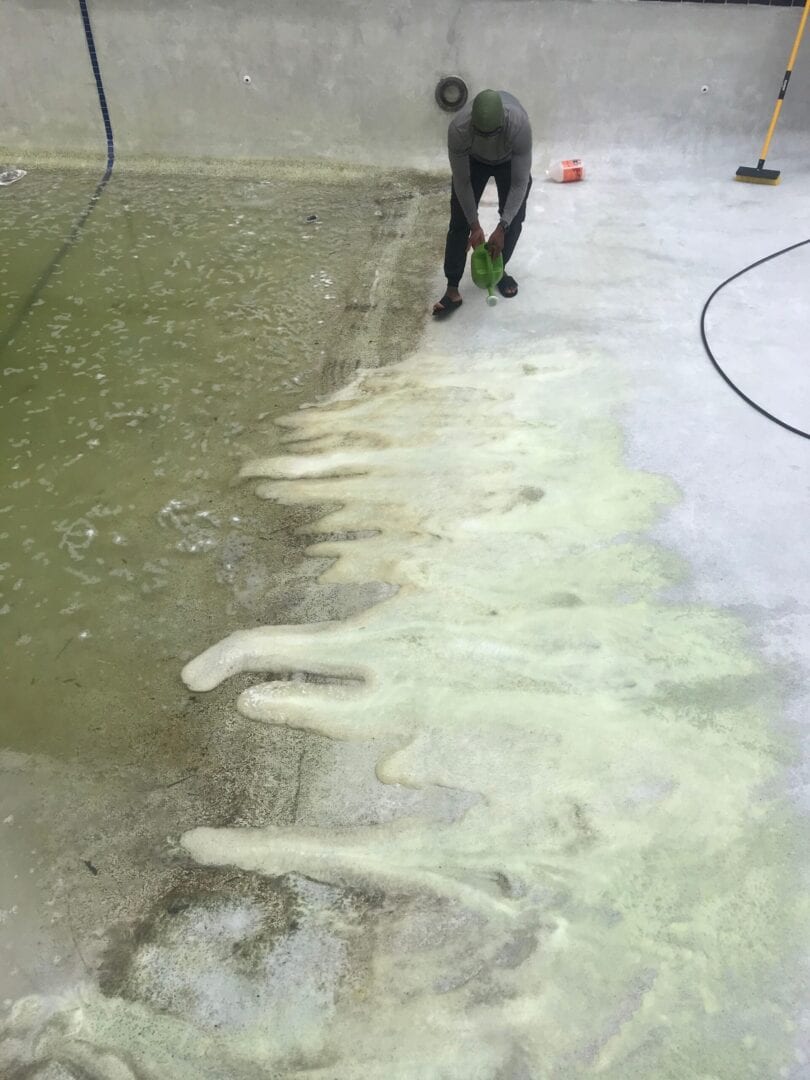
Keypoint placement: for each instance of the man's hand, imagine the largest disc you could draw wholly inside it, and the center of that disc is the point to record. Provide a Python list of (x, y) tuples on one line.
[(476, 237), (496, 242)]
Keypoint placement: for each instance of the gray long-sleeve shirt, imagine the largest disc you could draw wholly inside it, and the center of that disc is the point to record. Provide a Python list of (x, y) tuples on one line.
[(513, 142)]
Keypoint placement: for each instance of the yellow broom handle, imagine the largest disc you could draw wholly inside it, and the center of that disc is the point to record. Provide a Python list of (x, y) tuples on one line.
[(786, 80), (799, 34)]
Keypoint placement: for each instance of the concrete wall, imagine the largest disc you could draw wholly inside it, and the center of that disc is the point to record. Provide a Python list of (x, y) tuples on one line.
[(354, 79)]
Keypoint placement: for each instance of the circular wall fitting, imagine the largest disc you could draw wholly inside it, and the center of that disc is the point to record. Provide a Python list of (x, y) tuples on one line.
[(451, 93)]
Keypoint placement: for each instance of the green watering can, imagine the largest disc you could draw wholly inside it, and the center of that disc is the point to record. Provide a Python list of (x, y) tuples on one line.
[(486, 271)]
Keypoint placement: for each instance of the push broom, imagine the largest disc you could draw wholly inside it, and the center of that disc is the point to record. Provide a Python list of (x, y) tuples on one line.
[(761, 175)]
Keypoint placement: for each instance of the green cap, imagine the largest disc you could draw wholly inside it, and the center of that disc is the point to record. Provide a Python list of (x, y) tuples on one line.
[(487, 111)]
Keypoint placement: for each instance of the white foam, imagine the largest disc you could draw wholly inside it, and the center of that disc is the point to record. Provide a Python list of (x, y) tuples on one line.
[(617, 741)]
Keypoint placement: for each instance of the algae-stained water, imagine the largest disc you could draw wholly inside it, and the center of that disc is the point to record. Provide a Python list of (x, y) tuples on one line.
[(186, 312)]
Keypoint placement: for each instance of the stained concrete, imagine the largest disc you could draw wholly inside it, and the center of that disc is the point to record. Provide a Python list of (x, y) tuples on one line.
[(355, 80)]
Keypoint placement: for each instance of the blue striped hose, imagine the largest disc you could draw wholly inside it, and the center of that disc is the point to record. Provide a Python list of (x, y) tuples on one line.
[(102, 97), (8, 335)]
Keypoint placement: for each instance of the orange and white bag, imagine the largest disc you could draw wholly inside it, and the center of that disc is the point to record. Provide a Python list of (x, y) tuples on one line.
[(566, 172)]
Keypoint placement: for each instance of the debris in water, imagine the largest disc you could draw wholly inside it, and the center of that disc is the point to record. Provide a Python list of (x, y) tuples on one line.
[(10, 176)]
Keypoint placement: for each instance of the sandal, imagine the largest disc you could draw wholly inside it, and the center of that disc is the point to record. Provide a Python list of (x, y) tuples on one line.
[(447, 308), (508, 282)]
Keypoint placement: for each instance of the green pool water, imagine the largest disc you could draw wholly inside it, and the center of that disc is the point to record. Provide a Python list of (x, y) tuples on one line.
[(148, 339), (186, 313)]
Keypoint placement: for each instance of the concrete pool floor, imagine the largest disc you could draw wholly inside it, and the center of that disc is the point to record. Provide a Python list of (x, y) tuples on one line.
[(444, 900)]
